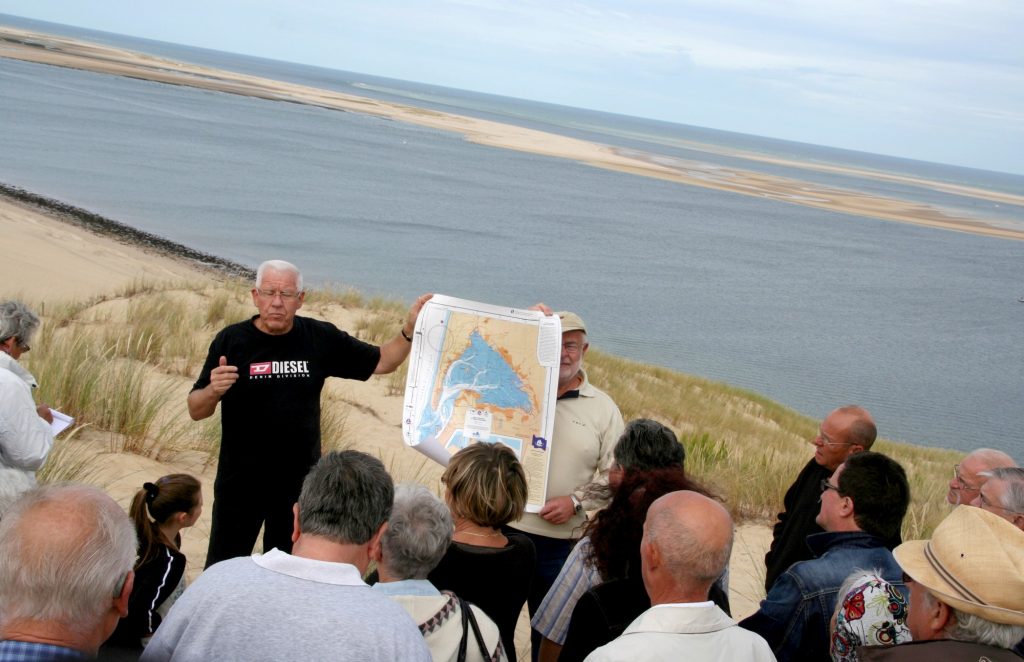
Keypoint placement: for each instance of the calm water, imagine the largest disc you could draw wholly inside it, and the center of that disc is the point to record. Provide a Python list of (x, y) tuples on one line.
[(811, 308)]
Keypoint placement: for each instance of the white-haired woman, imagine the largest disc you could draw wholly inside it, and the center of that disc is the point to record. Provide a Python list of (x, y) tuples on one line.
[(417, 537), (25, 434)]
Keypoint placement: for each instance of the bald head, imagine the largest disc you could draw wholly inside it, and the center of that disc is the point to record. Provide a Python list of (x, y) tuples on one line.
[(686, 546), (65, 553), (965, 484)]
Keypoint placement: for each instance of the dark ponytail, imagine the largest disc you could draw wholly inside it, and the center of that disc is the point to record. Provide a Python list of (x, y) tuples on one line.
[(172, 494)]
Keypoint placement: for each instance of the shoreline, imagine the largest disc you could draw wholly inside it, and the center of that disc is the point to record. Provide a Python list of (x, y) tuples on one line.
[(71, 53)]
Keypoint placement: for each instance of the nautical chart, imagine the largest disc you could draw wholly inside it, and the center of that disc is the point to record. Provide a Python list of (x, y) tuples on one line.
[(484, 374)]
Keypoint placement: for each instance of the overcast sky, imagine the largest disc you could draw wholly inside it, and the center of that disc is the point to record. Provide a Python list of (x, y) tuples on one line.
[(938, 80)]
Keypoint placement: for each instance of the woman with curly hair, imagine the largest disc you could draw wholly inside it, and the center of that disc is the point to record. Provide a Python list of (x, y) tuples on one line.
[(648, 463)]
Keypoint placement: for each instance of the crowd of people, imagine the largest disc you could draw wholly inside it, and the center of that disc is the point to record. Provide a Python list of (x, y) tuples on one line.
[(628, 559)]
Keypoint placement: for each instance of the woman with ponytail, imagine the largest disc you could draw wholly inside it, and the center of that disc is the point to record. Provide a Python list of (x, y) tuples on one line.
[(160, 511)]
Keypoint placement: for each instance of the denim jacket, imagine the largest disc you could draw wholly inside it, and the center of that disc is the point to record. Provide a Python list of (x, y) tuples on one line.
[(794, 617)]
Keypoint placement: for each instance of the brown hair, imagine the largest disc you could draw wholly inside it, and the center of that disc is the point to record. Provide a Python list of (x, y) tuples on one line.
[(486, 484), (171, 494)]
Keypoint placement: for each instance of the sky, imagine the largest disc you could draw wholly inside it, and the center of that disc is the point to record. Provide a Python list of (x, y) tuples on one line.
[(935, 80)]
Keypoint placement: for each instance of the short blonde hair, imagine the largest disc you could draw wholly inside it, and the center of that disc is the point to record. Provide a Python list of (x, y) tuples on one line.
[(486, 484)]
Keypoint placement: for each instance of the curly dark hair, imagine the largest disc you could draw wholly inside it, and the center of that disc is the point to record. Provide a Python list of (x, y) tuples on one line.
[(616, 531)]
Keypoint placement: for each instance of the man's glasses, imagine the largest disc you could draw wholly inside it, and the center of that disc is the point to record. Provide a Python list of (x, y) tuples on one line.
[(960, 482), (284, 294), (985, 503), (572, 347), (825, 485), (825, 441)]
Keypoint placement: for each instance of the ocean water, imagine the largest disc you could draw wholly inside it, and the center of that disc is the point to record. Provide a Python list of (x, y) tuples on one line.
[(811, 308)]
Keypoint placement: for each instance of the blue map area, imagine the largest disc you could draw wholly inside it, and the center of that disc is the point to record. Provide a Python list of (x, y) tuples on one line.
[(483, 370)]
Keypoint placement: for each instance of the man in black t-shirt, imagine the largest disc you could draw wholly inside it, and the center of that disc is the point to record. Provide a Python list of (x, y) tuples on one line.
[(268, 373)]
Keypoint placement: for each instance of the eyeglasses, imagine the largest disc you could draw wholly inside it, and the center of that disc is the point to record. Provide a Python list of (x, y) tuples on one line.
[(284, 294), (825, 486), (825, 441), (958, 479), (18, 342), (985, 503), (572, 347)]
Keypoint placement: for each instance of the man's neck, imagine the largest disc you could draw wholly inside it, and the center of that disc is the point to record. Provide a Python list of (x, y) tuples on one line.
[(675, 594), (321, 549), (43, 632), (570, 385)]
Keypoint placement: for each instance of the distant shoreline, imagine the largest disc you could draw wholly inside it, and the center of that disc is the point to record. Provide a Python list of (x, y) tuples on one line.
[(66, 52)]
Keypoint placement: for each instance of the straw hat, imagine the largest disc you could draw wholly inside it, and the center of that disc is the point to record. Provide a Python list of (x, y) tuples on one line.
[(974, 562), (571, 322)]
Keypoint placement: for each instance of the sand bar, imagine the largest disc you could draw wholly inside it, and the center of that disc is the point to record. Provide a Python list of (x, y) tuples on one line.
[(61, 51)]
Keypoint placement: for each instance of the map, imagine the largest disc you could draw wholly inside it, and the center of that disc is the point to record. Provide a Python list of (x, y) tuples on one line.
[(483, 374)]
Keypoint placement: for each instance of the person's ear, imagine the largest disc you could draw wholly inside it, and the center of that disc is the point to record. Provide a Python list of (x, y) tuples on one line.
[(121, 599), (374, 547), (296, 530), (941, 617)]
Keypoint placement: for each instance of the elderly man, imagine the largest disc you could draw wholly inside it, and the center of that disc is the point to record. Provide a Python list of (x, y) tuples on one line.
[(587, 426), (845, 431), (66, 556), (1002, 493), (963, 487), (309, 605), (685, 548), (25, 434), (862, 507), (268, 372), (966, 591), (417, 536)]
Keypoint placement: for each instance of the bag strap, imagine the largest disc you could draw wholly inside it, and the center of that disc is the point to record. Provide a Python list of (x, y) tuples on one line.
[(467, 612), (465, 630)]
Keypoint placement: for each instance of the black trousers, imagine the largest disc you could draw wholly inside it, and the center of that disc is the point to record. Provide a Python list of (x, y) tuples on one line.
[(243, 501)]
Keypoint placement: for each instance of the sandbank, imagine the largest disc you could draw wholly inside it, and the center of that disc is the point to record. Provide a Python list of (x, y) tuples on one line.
[(62, 51)]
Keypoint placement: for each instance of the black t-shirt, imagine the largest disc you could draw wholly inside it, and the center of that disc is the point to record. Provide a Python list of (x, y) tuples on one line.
[(496, 579), (271, 416)]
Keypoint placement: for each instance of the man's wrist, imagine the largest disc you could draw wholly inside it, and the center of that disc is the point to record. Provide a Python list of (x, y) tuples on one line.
[(407, 336), (577, 505)]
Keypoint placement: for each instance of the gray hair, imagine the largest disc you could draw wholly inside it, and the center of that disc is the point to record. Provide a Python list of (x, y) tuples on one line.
[(1013, 495), (976, 629), (18, 322), (282, 266), (65, 551), (687, 558), (345, 498), (645, 445), (418, 533)]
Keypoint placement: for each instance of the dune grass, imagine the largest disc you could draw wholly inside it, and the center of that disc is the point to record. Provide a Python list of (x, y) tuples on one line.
[(121, 363)]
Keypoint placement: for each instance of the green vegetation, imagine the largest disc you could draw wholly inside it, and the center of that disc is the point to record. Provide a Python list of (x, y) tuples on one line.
[(123, 365)]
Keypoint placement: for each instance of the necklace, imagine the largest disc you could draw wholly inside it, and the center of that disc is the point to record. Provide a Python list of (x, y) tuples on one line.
[(460, 528), (481, 535)]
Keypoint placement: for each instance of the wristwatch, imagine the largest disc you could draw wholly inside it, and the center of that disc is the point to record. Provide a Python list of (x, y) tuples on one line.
[(577, 505)]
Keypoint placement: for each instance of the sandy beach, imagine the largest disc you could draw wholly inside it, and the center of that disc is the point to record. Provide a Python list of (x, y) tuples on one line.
[(65, 52)]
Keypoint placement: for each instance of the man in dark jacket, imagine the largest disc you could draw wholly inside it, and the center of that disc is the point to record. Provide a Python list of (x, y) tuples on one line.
[(966, 591), (862, 506), (845, 431)]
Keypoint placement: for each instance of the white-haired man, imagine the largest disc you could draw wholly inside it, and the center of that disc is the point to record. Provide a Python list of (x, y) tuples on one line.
[(1002, 493), (66, 557), (967, 479), (685, 548), (966, 591), (268, 372), (309, 605)]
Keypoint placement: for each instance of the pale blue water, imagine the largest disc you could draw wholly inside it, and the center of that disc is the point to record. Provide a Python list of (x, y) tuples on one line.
[(811, 308)]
